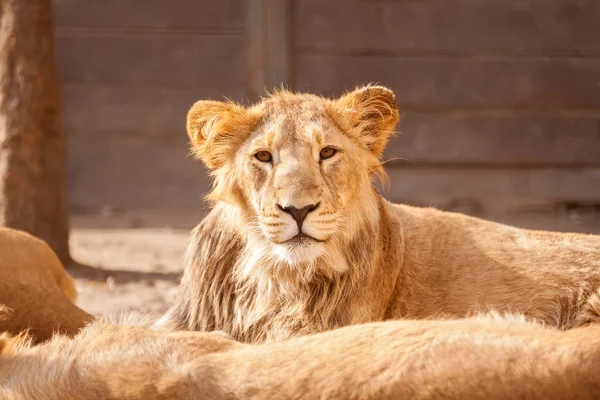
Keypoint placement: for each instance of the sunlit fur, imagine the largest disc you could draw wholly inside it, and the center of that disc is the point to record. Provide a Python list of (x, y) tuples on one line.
[(486, 357), (372, 260), (30, 271)]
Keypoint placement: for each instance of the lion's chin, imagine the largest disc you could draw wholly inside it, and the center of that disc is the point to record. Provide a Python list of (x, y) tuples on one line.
[(301, 252)]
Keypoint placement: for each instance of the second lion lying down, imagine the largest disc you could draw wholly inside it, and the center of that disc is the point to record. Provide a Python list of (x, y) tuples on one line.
[(480, 358), (299, 241)]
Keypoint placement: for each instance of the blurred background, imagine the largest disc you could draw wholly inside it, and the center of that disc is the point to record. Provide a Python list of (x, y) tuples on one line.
[(500, 103), (500, 99)]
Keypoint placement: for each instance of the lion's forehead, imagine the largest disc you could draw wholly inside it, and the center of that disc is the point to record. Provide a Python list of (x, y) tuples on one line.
[(293, 115), (289, 131)]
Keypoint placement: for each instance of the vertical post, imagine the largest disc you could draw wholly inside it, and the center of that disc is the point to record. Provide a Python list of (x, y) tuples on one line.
[(33, 170), (269, 45)]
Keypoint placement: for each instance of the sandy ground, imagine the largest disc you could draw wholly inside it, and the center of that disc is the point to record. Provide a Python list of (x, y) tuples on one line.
[(124, 268)]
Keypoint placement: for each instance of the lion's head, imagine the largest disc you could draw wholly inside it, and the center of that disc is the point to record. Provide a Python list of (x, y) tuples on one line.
[(299, 167)]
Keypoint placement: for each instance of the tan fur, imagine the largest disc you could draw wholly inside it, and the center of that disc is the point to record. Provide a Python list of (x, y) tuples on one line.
[(368, 259), (36, 289), (479, 358)]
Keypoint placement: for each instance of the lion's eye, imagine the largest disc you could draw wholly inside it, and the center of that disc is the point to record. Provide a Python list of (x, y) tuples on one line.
[(263, 156), (327, 152)]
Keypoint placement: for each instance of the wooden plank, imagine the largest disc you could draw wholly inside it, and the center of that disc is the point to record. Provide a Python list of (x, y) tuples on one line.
[(184, 61), (501, 189), (126, 172), (496, 140), (458, 81), (149, 14), (515, 25), (269, 45), (149, 111)]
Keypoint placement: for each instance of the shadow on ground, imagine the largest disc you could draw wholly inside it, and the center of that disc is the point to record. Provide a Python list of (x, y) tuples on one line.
[(90, 273)]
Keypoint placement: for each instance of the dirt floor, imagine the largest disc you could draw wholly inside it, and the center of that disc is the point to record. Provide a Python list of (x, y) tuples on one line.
[(126, 262)]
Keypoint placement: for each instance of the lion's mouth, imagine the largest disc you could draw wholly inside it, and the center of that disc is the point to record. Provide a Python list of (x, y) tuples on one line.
[(302, 239)]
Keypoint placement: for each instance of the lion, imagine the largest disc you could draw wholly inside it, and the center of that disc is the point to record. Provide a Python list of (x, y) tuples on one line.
[(298, 239), (36, 289), (479, 358)]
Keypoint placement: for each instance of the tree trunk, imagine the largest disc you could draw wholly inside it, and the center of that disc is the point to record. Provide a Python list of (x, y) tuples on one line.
[(33, 185)]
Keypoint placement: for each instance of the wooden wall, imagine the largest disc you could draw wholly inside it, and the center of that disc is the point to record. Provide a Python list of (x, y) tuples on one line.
[(130, 71), (500, 99)]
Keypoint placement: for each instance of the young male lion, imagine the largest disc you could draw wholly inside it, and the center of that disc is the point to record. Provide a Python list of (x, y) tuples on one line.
[(480, 358), (299, 240)]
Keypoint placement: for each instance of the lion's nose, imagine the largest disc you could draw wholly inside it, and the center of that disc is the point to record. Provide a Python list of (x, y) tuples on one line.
[(299, 214)]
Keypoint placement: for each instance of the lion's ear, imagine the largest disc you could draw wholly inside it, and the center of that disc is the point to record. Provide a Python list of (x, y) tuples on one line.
[(371, 113), (216, 129)]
